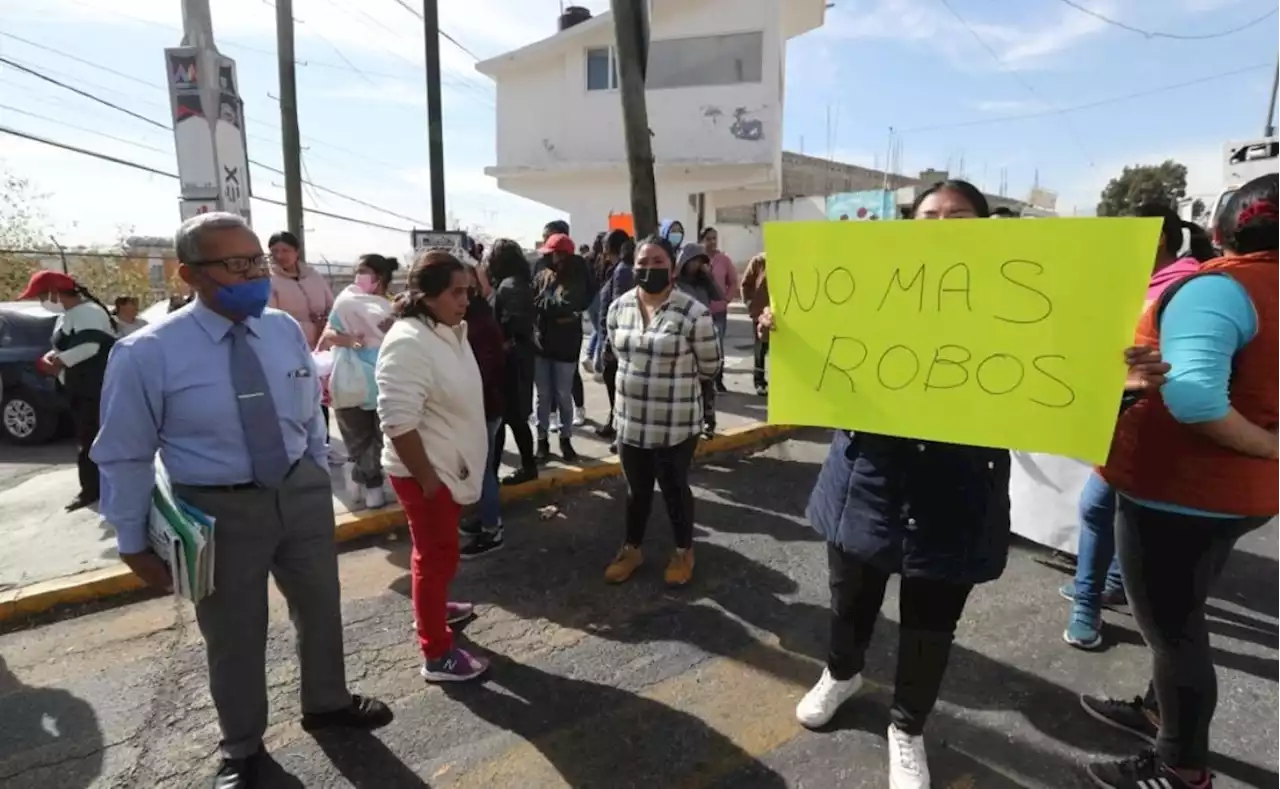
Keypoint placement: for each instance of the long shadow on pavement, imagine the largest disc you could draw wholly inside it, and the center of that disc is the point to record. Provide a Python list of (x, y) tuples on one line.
[(48, 737)]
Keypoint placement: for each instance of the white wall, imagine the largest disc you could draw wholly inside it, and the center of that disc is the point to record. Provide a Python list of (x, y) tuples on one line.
[(547, 119)]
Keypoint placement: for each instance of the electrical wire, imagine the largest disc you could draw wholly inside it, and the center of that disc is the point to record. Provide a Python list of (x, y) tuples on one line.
[(1071, 130), (166, 127), (1093, 104), (104, 135), (1171, 36), (443, 34), (154, 171)]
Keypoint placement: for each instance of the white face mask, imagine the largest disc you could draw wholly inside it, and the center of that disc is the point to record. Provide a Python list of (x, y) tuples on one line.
[(52, 306)]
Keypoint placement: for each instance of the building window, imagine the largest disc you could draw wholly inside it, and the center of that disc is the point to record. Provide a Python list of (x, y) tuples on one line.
[(602, 69), (706, 60)]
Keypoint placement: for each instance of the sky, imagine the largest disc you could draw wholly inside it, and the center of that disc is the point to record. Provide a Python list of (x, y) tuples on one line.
[(952, 79)]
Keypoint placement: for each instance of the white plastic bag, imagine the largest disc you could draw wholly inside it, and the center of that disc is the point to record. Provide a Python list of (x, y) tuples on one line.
[(348, 384)]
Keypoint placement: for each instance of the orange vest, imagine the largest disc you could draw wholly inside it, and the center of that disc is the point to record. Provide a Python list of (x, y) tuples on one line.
[(1155, 457)]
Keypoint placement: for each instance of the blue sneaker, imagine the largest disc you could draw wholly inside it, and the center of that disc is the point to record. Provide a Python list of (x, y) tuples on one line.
[(457, 666), (1111, 598), (1084, 631)]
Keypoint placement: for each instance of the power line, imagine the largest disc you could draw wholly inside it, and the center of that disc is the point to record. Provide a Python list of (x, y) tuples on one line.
[(153, 171), (1013, 73), (158, 124), (1172, 36), (443, 34), (47, 119), (1092, 104)]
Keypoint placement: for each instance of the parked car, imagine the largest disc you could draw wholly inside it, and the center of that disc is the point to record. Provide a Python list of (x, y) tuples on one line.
[(32, 405)]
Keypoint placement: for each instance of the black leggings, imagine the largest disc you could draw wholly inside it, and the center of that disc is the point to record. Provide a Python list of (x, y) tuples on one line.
[(84, 415), (1169, 561), (928, 610), (669, 467)]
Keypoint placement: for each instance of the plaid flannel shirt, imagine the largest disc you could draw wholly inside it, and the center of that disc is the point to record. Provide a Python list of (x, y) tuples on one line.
[(660, 368)]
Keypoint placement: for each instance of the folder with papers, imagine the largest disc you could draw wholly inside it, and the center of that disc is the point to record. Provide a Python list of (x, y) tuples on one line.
[(183, 536)]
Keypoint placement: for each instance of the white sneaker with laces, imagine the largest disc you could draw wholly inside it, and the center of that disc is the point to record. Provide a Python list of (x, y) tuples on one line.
[(579, 417), (375, 498), (820, 704), (908, 766)]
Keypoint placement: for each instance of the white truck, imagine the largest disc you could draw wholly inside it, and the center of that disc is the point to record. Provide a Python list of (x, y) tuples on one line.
[(1243, 161)]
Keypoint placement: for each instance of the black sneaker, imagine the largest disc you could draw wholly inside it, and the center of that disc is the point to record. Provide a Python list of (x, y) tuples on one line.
[(708, 432), (543, 453), (607, 431), (521, 476), (239, 773), (484, 543), (613, 448), (1131, 716), (762, 390), (567, 453), (1144, 771), (362, 713), (470, 527)]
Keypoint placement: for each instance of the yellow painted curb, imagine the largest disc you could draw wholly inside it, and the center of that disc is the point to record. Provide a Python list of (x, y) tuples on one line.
[(27, 601)]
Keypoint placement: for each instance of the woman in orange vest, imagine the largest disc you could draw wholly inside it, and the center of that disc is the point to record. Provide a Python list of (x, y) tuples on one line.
[(1195, 466)]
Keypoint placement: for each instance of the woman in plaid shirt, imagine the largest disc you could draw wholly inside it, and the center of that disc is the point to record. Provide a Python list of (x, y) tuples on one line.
[(666, 347)]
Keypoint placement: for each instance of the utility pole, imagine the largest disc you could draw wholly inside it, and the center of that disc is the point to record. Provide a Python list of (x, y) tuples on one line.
[(208, 119), (435, 113), (631, 28), (289, 135), (1270, 127)]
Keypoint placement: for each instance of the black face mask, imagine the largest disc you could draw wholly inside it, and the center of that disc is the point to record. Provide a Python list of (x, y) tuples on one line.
[(653, 280)]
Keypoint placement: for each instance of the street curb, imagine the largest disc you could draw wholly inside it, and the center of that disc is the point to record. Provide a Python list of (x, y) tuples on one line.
[(23, 602)]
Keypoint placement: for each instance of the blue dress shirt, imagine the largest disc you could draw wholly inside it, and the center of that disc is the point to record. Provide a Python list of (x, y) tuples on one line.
[(168, 390)]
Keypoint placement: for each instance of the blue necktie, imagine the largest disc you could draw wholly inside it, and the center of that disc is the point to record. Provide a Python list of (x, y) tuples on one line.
[(258, 416)]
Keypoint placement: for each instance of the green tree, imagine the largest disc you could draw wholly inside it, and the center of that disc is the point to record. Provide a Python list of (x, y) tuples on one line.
[(22, 228), (1165, 182)]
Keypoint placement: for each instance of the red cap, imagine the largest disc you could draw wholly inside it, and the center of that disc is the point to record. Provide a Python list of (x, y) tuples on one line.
[(558, 242), (46, 281)]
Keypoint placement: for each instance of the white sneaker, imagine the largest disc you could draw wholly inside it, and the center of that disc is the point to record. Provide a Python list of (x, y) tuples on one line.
[(820, 704), (375, 498), (355, 491), (908, 767), (579, 417)]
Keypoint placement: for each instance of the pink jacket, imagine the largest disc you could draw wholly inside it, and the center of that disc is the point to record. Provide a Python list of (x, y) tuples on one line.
[(306, 297), (727, 280)]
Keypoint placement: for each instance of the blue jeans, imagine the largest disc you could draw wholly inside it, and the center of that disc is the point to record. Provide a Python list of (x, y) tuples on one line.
[(554, 381), (1097, 567), (490, 505), (721, 322), (593, 313)]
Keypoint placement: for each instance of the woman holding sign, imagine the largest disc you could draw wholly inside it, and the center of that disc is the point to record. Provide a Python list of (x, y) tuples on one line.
[(938, 515), (1195, 466)]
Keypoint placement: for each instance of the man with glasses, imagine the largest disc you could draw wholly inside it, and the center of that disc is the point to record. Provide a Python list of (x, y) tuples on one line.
[(225, 391)]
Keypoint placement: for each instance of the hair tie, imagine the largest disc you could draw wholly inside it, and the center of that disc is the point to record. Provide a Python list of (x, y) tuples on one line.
[(1259, 208)]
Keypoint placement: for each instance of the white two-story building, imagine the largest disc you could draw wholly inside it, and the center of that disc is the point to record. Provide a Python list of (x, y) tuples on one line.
[(715, 83)]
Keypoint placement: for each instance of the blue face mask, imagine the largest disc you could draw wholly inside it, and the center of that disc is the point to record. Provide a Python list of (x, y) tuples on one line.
[(247, 298), (675, 238)]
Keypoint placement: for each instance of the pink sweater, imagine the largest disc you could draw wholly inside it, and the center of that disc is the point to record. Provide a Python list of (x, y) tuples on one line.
[(727, 280), (306, 297)]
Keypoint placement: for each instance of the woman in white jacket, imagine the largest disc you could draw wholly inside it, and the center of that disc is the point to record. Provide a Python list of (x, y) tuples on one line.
[(431, 406)]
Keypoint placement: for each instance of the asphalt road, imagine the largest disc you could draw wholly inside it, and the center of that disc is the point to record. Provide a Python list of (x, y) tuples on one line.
[(633, 686)]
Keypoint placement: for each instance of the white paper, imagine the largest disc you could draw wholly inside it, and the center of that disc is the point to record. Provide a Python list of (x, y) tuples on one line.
[(1044, 495)]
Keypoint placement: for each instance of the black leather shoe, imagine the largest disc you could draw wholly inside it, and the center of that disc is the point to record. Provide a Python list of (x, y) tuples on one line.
[(81, 501), (238, 773), (362, 713)]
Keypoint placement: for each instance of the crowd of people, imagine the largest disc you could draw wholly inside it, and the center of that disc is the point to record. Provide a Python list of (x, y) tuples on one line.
[(437, 374)]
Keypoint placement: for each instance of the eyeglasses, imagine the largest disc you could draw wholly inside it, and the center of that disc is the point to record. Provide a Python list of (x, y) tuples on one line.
[(238, 264)]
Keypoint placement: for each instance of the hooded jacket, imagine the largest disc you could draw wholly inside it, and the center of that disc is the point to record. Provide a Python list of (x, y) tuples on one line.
[(560, 297), (701, 286), (302, 296), (664, 230)]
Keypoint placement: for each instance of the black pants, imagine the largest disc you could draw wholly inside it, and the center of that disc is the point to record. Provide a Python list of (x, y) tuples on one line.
[(669, 467), (517, 395), (709, 404), (1169, 561), (324, 410), (928, 610), (84, 415), (761, 353), (610, 374)]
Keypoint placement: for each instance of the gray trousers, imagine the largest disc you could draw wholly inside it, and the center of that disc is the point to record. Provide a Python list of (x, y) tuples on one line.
[(287, 533), (362, 434)]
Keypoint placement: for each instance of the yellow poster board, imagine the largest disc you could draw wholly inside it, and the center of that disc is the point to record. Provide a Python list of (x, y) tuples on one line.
[(999, 334)]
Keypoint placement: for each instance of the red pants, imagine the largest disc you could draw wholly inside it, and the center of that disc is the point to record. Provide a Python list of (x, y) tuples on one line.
[(433, 525)]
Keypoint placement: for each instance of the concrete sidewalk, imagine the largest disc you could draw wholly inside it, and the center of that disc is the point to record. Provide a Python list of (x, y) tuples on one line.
[(54, 558)]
